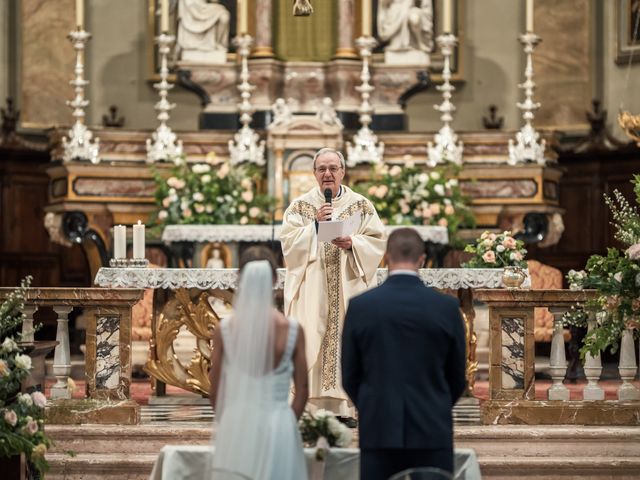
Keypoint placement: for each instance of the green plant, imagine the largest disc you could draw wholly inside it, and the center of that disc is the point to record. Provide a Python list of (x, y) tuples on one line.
[(410, 196), (499, 250), (21, 414), (213, 192)]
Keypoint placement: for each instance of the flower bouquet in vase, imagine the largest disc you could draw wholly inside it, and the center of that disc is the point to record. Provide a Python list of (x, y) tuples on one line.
[(323, 430), (500, 250)]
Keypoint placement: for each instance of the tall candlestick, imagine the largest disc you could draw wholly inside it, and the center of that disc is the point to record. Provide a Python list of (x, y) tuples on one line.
[(529, 17), (138, 240), (80, 14), (119, 241), (446, 16), (164, 16), (366, 18), (243, 17)]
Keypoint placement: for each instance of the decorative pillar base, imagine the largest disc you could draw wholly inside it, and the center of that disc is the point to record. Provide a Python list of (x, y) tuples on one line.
[(558, 392), (66, 412), (592, 392)]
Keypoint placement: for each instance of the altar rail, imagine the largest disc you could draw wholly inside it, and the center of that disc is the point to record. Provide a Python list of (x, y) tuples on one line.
[(108, 352), (512, 366)]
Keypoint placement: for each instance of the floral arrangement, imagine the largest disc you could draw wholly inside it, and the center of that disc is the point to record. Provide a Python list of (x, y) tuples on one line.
[(212, 192), (616, 277), (323, 430), (21, 414), (410, 196), (493, 250)]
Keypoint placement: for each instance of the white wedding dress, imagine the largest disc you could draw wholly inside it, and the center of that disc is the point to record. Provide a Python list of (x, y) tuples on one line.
[(272, 448)]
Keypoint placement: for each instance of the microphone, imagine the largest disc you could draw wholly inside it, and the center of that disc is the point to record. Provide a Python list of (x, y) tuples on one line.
[(327, 195)]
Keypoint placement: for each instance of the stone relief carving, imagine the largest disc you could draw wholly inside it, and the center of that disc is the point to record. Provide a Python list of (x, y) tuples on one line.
[(327, 114), (203, 31), (407, 26), (281, 112)]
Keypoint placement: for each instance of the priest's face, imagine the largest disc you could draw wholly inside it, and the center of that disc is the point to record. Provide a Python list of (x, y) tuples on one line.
[(329, 172)]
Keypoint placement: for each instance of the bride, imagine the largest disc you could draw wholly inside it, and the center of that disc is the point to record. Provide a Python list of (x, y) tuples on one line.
[(255, 354)]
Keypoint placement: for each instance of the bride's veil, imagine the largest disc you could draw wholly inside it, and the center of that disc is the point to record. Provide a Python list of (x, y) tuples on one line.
[(242, 443)]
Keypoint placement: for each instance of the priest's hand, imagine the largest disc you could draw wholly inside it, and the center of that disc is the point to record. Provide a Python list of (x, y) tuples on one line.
[(342, 242), (324, 213)]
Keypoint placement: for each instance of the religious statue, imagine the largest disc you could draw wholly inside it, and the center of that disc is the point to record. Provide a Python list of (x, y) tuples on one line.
[(215, 261), (327, 114), (302, 8), (203, 31), (281, 113), (407, 26)]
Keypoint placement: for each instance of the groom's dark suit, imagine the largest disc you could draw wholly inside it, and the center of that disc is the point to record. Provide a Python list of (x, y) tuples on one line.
[(403, 366)]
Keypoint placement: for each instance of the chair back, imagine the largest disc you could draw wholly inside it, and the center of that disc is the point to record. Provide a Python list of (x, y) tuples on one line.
[(423, 473)]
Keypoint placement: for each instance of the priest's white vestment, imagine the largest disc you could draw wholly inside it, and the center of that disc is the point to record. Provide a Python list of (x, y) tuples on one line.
[(320, 280)]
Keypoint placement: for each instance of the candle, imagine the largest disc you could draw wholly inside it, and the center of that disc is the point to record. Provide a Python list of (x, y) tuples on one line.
[(366, 18), (80, 14), (164, 16), (119, 241), (243, 17), (529, 16), (446, 16), (138, 240)]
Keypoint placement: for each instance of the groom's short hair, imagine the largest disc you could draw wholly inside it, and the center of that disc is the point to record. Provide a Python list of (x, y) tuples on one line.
[(404, 245)]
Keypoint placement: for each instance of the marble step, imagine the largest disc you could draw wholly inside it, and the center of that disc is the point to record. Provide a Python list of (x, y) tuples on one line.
[(137, 467)]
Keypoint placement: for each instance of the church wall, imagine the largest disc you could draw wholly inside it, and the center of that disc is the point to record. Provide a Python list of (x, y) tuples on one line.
[(4, 51), (492, 67), (615, 76), (118, 69)]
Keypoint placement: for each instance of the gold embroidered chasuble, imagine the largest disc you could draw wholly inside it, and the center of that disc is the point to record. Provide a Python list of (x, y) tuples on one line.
[(321, 278)]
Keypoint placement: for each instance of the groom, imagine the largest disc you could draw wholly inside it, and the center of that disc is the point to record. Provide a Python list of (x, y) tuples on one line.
[(403, 366)]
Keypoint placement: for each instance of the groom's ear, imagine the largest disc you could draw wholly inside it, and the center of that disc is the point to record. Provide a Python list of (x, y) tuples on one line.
[(422, 260)]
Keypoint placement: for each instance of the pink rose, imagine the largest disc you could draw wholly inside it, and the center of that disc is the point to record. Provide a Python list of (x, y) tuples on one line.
[(489, 257), (435, 208), (633, 252), (517, 256), (443, 222), (39, 399), (31, 427), (4, 368), (10, 417), (509, 242), (449, 210)]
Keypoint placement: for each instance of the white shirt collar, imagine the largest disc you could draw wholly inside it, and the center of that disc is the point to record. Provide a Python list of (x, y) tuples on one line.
[(403, 271)]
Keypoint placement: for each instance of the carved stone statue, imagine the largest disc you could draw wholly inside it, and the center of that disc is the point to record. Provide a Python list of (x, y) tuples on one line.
[(327, 114), (302, 8), (203, 31), (281, 113), (215, 260), (407, 26)]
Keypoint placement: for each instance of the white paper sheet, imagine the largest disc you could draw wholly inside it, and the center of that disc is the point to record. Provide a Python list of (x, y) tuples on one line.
[(327, 231)]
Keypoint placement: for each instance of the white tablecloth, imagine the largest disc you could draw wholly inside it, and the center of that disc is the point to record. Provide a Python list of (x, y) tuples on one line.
[(190, 462)]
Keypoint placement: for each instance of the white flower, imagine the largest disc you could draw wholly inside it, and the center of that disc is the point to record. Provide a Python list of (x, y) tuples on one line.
[(247, 196), (435, 175), (344, 440), (199, 208), (322, 413), (395, 170), (201, 168), (39, 399), (618, 277), (335, 427), (23, 362), (228, 197), (500, 248), (232, 210), (163, 214), (9, 345), (254, 212), (242, 208), (439, 189), (25, 399), (246, 183), (423, 178), (209, 208), (205, 178), (223, 171), (244, 220), (453, 182), (198, 197)]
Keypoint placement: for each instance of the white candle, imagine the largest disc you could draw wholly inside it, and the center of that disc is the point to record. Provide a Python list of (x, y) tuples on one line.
[(119, 241), (243, 17), (529, 16), (138, 240), (366, 18), (80, 14), (446, 16), (164, 16)]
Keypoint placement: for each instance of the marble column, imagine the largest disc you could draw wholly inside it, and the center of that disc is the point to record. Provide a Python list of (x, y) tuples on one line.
[(346, 20), (558, 359), (263, 34), (62, 355), (627, 367)]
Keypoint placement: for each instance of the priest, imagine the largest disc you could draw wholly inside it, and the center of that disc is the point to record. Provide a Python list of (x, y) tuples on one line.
[(322, 276)]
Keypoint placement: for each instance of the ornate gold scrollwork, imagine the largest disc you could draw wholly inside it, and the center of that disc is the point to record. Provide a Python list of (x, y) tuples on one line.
[(472, 342), (200, 319)]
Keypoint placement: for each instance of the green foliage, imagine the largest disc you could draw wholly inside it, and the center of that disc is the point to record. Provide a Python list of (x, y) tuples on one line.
[(21, 414), (323, 424), (493, 250), (213, 192), (410, 196)]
